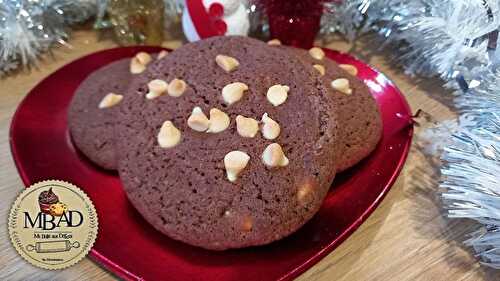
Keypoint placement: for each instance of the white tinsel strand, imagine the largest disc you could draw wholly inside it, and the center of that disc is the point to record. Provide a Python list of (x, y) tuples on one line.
[(470, 181), (432, 36), (346, 18), (456, 40), (484, 97), (74, 11), (30, 27), (445, 37)]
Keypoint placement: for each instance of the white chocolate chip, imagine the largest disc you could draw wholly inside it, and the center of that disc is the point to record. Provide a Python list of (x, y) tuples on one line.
[(235, 162), (233, 92), (152, 95), (246, 127), (143, 58), (136, 67), (198, 121), (226, 62), (110, 100), (176, 88), (320, 69), (277, 94), (169, 136), (273, 156), (219, 121), (304, 193), (317, 53), (342, 85), (162, 54), (246, 223), (138, 62), (349, 68), (274, 42), (270, 128), (156, 88)]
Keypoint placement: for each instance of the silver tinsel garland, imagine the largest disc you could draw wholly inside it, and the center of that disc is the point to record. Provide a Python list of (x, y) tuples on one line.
[(30, 27), (470, 178), (456, 40)]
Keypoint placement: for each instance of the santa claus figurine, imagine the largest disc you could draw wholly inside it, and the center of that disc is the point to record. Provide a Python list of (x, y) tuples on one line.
[(206, 18)]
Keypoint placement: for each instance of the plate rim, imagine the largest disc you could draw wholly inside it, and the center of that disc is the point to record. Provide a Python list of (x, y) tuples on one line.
[(93, 254), (366, 214), (122, 273)]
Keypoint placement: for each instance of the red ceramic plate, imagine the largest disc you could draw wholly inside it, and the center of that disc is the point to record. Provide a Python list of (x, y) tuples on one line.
[(128, 246)]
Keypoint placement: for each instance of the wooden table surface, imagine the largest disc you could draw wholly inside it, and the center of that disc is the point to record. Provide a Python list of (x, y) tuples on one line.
[(406, 238)]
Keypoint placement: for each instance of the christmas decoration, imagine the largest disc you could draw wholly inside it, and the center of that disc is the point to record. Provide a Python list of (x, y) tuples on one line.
[(470, 179), (456, 40), (30, 27), (205, 18), (294, 23), (136, 22)]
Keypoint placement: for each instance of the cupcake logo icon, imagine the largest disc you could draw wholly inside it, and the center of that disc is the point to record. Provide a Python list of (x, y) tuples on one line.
[(50, 204), (53, 224)]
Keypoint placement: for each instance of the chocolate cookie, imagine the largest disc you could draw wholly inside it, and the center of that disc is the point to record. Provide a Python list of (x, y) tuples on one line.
[(217, 189), (92, 127), (359, 119)]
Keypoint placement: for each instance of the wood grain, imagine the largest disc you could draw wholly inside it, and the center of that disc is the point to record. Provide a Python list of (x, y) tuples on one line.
[(406, 238)]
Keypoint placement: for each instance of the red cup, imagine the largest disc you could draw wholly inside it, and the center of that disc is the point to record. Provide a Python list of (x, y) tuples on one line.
[(294, 23)]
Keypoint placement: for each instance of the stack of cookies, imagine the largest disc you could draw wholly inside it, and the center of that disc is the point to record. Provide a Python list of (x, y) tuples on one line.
[(227, 142)]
